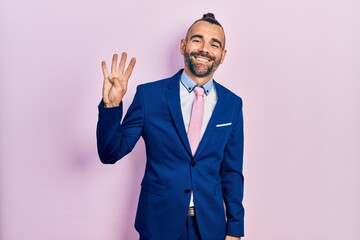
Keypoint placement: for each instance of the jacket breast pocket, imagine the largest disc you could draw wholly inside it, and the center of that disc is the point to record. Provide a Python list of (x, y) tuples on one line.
[(154, 188), (220, 135)]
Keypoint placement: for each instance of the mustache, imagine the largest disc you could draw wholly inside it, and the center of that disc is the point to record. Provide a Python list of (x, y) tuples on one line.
[(200, 54)]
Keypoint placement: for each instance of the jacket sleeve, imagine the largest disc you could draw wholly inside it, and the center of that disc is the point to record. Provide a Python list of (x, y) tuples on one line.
[(115, 140), (232, 180)]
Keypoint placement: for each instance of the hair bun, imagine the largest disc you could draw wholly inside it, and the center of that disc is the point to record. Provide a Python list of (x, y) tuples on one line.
[(209, 15)]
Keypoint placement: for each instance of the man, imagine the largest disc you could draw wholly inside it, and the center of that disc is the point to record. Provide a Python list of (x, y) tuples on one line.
[(193, 132)]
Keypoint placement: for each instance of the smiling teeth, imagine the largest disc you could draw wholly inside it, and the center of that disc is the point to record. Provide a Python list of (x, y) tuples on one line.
[(202, 59)]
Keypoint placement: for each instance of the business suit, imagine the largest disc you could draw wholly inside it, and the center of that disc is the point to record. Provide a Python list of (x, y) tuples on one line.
[(214, 173)]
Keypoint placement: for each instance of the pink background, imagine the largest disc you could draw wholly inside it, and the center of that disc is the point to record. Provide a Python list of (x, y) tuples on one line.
[(296, 65)]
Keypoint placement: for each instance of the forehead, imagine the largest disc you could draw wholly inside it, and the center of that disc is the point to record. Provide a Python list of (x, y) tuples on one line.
[(208, 30)]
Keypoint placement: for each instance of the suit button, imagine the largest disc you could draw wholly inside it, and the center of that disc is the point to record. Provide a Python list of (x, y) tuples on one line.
[(187, 191), (193, 164)]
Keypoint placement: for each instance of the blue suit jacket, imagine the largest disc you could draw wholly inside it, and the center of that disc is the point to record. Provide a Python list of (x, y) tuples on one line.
[(214, 174)]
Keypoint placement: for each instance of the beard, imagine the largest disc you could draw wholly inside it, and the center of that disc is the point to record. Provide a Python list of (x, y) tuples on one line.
[(200, 69)]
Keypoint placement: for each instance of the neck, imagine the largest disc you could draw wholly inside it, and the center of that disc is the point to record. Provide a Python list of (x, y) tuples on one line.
[(199, 81)]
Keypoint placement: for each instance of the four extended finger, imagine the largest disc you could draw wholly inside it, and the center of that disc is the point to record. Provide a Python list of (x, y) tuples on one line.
[(114, 64), (104, 69), (130, 68), (122, 62)]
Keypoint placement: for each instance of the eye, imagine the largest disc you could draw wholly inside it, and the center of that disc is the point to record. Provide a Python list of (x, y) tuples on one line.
[(215, 45)]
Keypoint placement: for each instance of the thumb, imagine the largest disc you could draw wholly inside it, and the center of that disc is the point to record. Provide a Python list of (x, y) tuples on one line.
[(114, 81)]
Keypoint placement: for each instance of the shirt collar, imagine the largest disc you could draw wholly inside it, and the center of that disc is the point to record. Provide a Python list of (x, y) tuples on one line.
[(189, 84)]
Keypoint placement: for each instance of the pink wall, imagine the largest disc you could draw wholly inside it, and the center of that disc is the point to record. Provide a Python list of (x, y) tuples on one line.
[(295, 63)]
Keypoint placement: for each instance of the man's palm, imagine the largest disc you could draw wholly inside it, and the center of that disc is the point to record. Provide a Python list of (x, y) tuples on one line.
[(115, 83)]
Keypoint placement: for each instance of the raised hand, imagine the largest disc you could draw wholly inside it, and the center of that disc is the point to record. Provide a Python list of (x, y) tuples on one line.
[(115, 83)]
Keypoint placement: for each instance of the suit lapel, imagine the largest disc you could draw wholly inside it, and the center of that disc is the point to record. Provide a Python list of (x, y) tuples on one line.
[(215, 117), (173, 100)]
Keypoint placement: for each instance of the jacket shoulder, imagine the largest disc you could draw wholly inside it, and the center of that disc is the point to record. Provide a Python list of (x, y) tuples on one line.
[(228, 93), (155, 84)]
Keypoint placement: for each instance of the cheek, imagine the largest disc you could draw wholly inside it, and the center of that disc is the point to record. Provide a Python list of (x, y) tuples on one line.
[(222, 57), (218, 57)]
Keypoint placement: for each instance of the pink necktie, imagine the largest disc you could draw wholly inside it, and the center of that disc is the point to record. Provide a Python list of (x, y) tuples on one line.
[(196, 119)]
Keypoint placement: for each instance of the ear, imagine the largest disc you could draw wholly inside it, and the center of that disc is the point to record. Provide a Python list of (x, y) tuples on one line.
[(223, 54), (182, 46)]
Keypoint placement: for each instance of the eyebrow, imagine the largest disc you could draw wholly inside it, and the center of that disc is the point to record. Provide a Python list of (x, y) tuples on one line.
[(201, 36)]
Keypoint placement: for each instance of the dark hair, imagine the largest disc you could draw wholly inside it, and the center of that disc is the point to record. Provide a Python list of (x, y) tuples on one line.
[(210, 18)]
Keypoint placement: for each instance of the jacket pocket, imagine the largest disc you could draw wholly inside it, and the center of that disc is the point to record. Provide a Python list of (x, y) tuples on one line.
[(154, 188)]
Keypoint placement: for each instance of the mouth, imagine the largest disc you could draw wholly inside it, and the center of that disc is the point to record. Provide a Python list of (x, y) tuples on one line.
[(202, 58)]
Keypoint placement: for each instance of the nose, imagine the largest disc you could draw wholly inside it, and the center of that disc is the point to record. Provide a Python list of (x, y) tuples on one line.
[(204, 47)]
